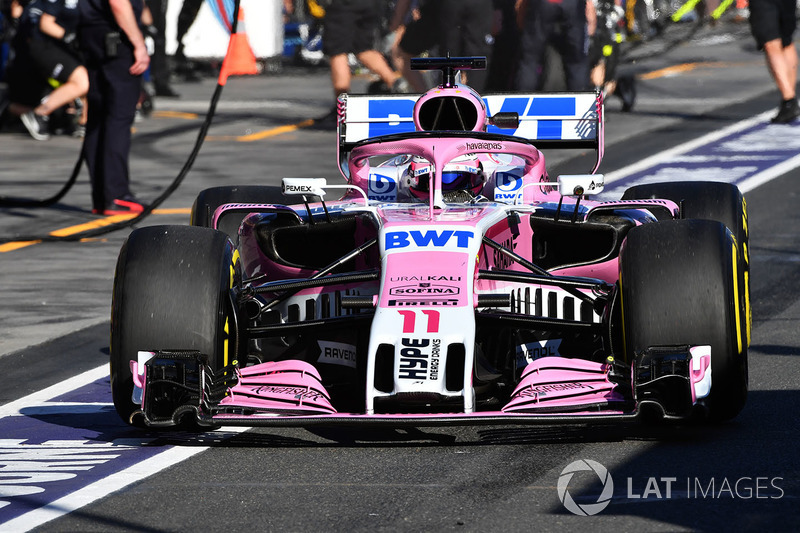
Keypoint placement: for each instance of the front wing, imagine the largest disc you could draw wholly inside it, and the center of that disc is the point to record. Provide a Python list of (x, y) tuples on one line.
[(171, 386)]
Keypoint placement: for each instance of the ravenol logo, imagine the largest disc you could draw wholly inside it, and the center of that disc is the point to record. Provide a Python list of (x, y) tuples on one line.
[(586, 509), (447, 239)]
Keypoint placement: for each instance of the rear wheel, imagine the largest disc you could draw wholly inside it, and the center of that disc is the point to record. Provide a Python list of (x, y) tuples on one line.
[(209, 200), (678, 286), (171, 292)]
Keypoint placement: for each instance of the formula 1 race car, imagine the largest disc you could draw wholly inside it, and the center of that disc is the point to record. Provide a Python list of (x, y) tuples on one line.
[(452, 282)]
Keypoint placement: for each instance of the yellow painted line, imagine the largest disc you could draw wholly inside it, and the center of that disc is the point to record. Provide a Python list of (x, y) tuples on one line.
[(669, 71), (11, 246), (259, 135), (173, 211), (175, 114), (94, 224), (688, 67), (99, 223)]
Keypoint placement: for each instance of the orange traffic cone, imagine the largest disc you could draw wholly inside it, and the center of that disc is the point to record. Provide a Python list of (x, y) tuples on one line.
[(240, 59)]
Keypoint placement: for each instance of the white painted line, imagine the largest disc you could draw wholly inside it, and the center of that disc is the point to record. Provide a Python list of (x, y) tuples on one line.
[(102, 488), (105, 486), (770, 174), (660, 157), (44, 395)]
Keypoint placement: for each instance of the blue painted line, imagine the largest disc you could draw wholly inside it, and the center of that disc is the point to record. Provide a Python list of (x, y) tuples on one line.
[(746, 155), (65, 447), (50, 450)]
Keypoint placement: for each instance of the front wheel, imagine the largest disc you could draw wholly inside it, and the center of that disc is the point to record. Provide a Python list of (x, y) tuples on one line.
[(711, 200), (209, 200), (678, 283), (171, 292)]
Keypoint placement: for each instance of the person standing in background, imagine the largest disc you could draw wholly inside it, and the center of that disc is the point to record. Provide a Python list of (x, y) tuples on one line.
[(351, 27), (540, 22), (502, 67), (186, 17), (773, 23), (116, 57), (159, 69), (465, 29), (419, 20), (47, 41)]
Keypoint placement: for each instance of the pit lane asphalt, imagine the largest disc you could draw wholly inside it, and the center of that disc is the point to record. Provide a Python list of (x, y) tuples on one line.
[(56, 301)]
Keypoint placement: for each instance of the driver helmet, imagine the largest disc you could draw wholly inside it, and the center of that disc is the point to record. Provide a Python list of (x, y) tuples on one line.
[(464, 173)]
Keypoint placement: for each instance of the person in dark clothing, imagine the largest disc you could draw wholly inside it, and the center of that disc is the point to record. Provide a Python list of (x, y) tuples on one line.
[(45, 48), (419, 21), (351, 26), (159, 68), (186, 18), (465, 29), (561, 22), (773, 23), (502, 67), (116, 57)]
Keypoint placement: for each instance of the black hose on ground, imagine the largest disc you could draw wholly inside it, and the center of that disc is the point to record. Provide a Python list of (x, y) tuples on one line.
[(96, 232)]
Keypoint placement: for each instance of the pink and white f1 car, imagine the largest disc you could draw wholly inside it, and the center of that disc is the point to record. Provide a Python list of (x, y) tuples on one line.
[(453, 281)]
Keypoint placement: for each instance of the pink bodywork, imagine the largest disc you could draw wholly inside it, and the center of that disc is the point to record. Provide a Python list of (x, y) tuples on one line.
[(548, 387), (556, 382), (292, 388), (288, 387), (440, 151)]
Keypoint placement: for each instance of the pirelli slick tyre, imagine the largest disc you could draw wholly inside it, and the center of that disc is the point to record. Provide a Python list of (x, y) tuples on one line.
[(711, 200), (210, 199), (171, 292), (678, 283)]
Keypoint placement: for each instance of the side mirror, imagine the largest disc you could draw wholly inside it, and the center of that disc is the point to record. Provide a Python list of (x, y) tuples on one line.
[(580, 184), (508, 120)]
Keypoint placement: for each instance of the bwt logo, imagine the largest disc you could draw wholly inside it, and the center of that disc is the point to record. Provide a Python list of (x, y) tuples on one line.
[(380, 184), (507, 181), (429, 238)]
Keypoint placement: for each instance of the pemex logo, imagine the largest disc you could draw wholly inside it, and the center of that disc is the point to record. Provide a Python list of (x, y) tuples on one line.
[(586, 509)]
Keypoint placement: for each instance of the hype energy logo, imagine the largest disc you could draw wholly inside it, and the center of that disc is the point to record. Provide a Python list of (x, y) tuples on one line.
[(585, 509)]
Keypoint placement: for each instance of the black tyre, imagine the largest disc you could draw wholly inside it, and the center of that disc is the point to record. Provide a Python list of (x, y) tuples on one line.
[(171, 292), (711, 200), (210, 199), (678, 286)]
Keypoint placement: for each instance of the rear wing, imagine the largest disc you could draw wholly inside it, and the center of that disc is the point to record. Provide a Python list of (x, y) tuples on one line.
[(548, 120)]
